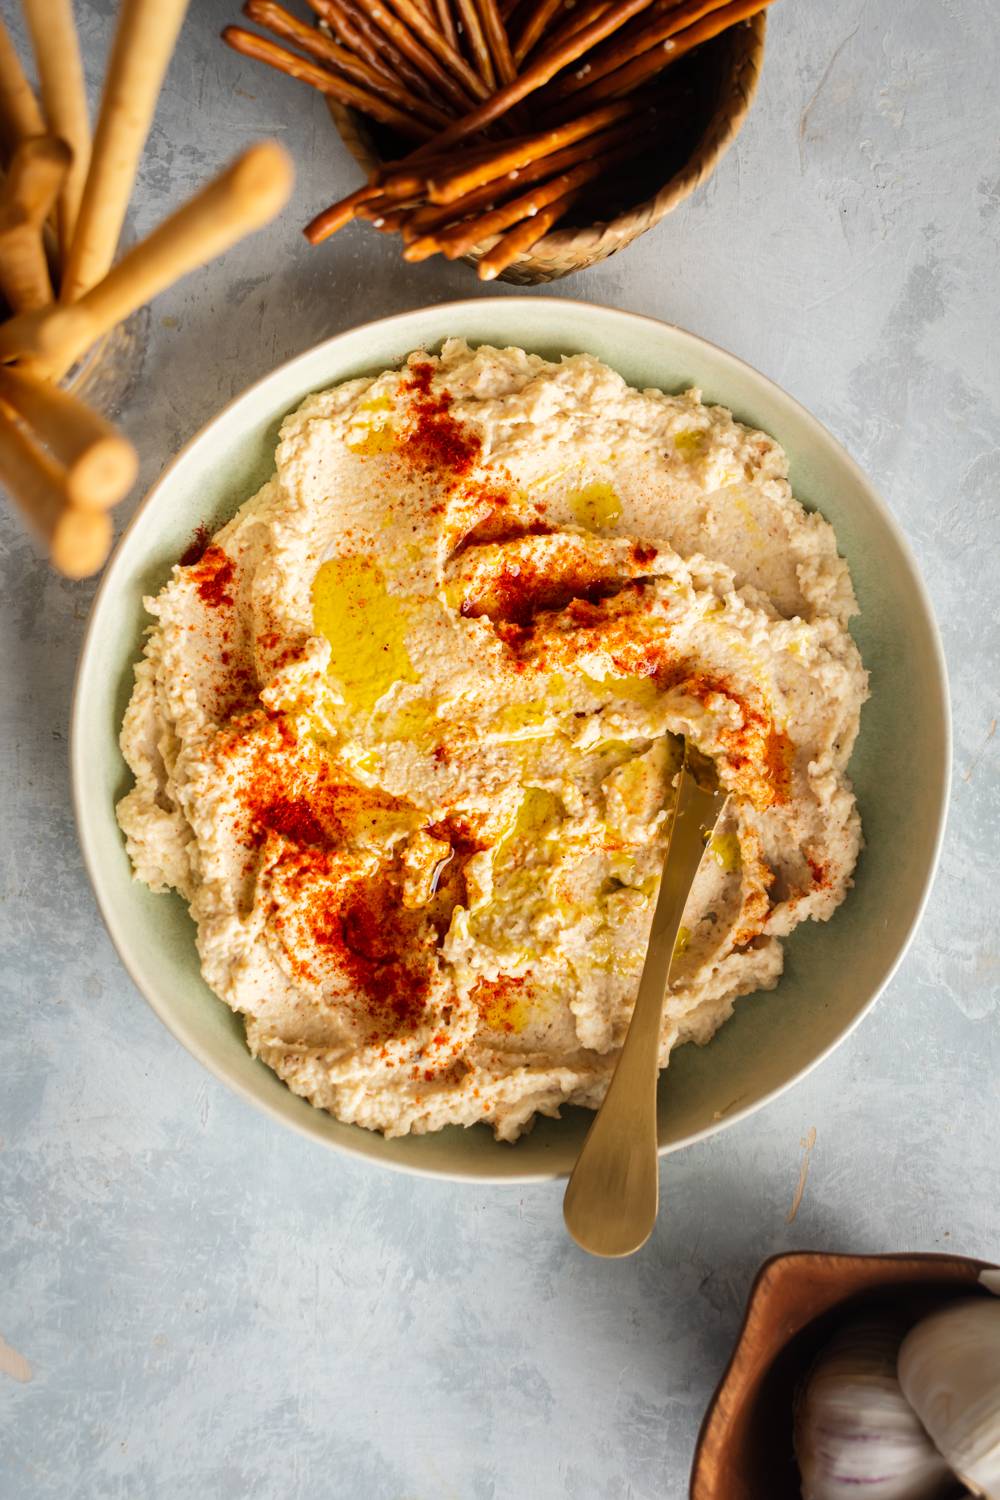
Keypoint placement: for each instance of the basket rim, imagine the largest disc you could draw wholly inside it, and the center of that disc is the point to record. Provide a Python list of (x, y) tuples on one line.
[(605, 236)]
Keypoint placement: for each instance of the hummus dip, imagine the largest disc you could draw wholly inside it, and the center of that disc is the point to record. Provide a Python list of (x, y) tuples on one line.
[(405, 734)]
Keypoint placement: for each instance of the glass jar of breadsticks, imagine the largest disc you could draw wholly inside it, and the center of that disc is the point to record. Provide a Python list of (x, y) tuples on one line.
[(530, 138)]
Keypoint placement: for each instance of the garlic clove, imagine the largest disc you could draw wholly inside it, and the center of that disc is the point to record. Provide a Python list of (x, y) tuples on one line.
[(949, 1371), (855, 1433)]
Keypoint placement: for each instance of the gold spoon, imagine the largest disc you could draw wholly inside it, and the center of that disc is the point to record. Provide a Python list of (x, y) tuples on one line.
[(613, 1194)]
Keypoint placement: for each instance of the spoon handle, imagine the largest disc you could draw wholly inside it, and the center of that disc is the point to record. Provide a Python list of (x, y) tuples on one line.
[(612, 1198)]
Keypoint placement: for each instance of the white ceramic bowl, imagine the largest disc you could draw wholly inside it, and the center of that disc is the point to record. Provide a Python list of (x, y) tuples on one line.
[(900, 767)]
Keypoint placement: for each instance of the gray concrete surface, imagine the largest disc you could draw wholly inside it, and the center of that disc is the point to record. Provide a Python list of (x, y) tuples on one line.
[(195, 1303)]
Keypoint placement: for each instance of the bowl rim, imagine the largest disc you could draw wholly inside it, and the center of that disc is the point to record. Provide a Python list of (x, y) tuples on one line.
[(78, 769)]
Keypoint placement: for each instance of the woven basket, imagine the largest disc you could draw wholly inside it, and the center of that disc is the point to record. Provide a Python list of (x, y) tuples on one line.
[(738, 56)]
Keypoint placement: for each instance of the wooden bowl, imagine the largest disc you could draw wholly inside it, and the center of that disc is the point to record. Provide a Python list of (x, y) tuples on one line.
[(744, 1449), (721, 78)]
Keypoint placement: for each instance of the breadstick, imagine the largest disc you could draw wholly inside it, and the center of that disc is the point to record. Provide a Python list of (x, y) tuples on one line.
[(456, 89), (78, 540), (101, 465), (310, 40), (242, 198), (19, 112), (536, 24), (449, 185), (248, 44), (546, 66), (140, 53), (37, 171), (470, 24), (64, 98), (623, 50), (337, 215), (648, 64), (518, 241), (497, 39)]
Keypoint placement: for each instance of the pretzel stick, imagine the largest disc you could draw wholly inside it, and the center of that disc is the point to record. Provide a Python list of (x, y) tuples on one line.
[(37, 171), (487, 165), (284, 24), (580, 17), (648, 64), (471, 232), (432, 216), (546, 66), (660, 29), (420, 222), (446, 21), (449, 185), (248, 44), (370, 202), (497, 39), (242, 198), (518, 241), (536, 24), (470, 24), (408, 178), (434, 41), (455, 173), (101, 465), (348, 31), (357, 32), (397, 60), (140, 53), (392, 27), (390, 221), (376, 210), (64, 99), (337, 215), (19, 112), (78, 540)]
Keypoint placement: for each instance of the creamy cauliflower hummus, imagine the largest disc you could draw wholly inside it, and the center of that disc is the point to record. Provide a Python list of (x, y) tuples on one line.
[(405, 734)]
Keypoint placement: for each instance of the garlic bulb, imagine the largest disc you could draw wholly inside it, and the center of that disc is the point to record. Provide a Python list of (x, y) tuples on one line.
[(949, 1371), (855, 1434)]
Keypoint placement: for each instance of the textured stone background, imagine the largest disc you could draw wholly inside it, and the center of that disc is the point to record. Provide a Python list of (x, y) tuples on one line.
[(209, 1307)]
